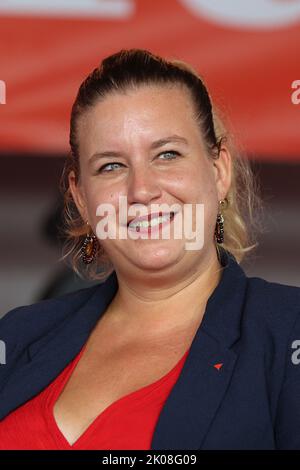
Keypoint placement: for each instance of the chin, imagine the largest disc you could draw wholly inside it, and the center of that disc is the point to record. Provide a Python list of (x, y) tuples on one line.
[(156, 258)]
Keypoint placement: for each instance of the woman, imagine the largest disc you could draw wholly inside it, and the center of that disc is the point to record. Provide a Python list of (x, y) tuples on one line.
[(177, 348)]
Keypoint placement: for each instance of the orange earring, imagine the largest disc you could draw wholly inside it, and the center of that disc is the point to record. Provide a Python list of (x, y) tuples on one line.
[(89, 248)]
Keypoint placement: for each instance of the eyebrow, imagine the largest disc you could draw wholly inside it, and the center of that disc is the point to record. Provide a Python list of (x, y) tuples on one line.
[(156, 144)]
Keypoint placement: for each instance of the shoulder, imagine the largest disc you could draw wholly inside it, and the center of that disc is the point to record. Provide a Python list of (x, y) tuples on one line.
[(266, 307), (40, 316), (273, 305), (271, 322), (274, 316)]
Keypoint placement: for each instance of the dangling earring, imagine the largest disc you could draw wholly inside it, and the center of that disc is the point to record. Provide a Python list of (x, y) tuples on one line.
[(219, 230), (89, 248)]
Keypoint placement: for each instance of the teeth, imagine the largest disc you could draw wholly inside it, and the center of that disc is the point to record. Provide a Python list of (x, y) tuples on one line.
[(153, 222)]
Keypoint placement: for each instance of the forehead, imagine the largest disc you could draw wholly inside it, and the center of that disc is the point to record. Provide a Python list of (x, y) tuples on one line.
[(143, 112)]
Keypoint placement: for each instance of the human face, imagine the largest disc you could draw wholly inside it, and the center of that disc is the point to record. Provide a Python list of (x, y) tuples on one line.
[(177, 172)]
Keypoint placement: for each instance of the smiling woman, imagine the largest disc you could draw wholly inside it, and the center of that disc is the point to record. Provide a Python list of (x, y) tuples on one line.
[(125, 110), (177, 348)]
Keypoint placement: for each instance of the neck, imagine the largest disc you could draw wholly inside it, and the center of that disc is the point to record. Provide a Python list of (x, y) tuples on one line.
[(161, 309)]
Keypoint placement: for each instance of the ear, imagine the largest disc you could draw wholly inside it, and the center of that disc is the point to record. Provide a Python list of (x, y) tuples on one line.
[(223, 171), (77, 195)]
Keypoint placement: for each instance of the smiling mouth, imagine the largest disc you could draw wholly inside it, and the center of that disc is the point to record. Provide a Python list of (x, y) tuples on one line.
[(150, 222)]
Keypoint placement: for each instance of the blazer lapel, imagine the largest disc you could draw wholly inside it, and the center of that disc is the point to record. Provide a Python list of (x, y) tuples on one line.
[(196, 396), (198, 393)]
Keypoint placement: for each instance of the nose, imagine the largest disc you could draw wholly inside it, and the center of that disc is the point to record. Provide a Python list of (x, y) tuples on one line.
[(142, 186)]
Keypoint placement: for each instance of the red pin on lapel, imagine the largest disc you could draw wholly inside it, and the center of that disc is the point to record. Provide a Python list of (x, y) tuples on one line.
[(218, 366)]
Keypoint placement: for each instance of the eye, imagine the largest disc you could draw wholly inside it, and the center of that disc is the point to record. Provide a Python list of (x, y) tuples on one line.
[(101, 169), (173, 153)]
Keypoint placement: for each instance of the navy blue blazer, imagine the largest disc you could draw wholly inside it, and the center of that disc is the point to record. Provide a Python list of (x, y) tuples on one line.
[(250, 326)]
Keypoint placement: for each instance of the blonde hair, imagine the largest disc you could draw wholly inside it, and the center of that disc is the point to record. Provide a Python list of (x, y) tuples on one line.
[(127, 69)]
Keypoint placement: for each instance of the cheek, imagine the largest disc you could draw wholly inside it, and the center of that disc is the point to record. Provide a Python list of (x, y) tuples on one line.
[(96, 197), (182, 182), (193, 184), (203, 183), (198, 187)]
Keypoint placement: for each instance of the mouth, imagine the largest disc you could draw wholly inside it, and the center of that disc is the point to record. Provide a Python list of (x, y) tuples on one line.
[(151, 220)]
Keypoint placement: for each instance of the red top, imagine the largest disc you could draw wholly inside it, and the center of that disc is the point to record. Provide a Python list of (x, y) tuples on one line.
[(128, 423)]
